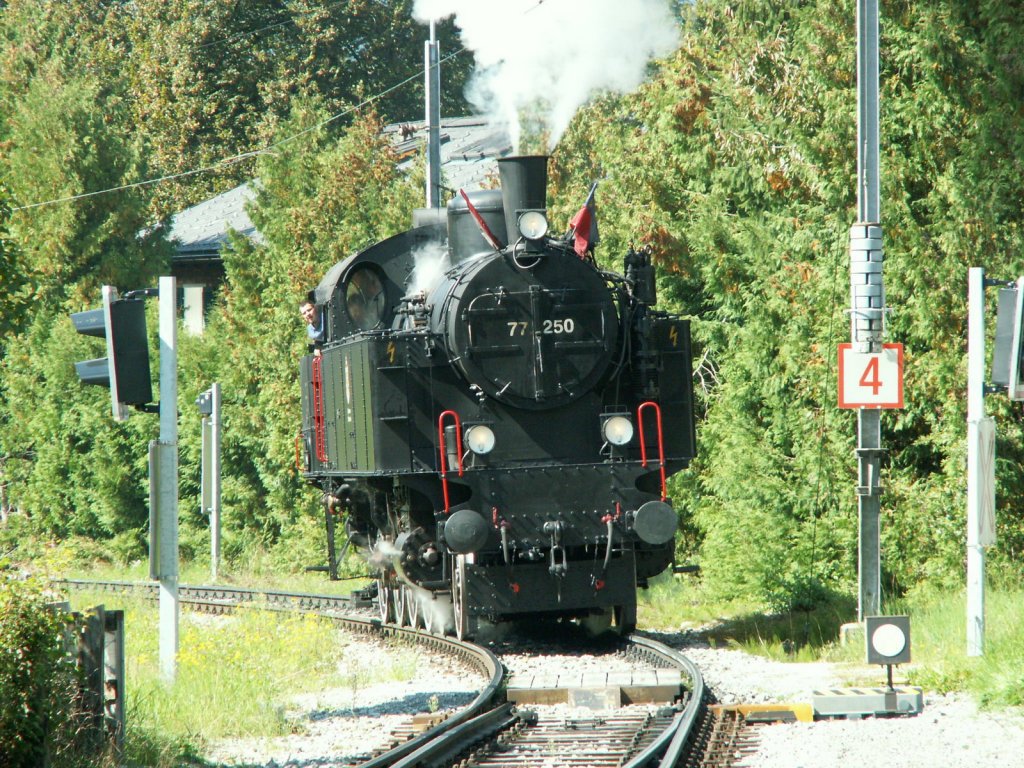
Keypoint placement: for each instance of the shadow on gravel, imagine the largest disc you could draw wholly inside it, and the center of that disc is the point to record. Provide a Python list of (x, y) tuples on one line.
[(412, 704)]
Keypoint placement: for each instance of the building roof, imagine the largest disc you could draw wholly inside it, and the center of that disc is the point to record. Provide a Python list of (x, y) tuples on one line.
[(199, 232), (470, 147)]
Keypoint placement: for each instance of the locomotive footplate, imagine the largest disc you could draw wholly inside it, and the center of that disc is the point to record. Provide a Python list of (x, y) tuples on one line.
[(495, 592)]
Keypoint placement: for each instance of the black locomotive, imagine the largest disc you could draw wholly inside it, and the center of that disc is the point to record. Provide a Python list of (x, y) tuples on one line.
[(498, 437)]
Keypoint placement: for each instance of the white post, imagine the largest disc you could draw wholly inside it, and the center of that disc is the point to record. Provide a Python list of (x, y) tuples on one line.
[(432, 64), (209, 500), (215, 478), (167, 484), (206, 476), (977, 431)]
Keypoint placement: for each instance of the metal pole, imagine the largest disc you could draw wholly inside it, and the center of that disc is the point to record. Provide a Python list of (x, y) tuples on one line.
[(867, 303), (869, 198), (215, 478), (167, 484), (206, 475), (433, 114), (979, 427)]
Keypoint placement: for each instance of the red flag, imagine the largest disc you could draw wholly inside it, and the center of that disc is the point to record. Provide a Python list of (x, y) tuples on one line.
[(583, 226), (484, 229)]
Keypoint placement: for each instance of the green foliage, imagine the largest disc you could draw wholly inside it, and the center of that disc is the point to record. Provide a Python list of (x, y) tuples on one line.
[(319, 199), (13, 299), (736, 162), (208, 74), (235, 677), (748, 206), (37, 679), (939, 636), (72, 469), (240, 691)]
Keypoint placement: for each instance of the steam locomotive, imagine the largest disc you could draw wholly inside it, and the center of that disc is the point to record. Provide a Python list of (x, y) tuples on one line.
[(493, 417)]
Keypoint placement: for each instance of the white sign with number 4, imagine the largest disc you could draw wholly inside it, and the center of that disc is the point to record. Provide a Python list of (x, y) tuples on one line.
[(871, 380)]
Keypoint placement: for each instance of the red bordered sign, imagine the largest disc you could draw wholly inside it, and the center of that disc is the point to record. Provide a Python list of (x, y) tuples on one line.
[(871, 380)]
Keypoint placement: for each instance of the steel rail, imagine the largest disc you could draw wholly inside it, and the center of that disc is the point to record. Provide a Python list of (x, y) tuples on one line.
[(479, 710), (484, 715), (673, 742)]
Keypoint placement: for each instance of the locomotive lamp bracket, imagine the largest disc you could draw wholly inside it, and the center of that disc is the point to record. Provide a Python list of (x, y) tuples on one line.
[(478, 392)]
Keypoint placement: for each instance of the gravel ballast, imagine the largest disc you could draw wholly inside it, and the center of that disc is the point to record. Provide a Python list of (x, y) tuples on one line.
[(950, 733)]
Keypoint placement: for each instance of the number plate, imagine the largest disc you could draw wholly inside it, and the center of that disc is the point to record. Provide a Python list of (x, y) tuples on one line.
[(871, 380)]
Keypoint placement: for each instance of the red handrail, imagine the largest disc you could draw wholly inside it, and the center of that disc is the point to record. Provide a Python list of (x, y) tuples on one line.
[(443, 443), (661, 441), (318, 409)]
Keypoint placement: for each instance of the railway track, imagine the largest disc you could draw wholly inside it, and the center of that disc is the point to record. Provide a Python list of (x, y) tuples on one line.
[(490, 731), (731, 739)]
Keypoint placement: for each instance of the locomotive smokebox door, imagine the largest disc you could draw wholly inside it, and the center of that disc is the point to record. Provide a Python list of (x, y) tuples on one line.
[(535, 339)]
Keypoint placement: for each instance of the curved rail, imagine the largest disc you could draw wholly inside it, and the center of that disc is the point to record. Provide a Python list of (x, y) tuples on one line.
[(673, 742), (486, 714), (505, 737)]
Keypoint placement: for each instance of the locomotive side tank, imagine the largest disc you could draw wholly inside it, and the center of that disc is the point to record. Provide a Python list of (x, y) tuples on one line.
[(498, 435)]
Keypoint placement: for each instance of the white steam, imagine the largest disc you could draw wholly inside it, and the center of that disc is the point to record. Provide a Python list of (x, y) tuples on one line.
[(430, 263), (543, 59), (382, 554)]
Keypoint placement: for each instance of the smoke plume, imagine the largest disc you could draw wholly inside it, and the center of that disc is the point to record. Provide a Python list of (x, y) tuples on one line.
[(543, 59)]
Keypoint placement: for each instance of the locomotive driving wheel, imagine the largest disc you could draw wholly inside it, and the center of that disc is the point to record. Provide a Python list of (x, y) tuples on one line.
[(431, 620), (398, 604), (412, 607), (384, 600), (459, 597)]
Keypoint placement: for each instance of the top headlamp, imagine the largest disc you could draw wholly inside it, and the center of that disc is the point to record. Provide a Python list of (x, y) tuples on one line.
[(533, 225)]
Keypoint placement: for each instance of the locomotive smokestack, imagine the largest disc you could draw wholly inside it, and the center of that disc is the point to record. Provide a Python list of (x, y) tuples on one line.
[(524, 186)]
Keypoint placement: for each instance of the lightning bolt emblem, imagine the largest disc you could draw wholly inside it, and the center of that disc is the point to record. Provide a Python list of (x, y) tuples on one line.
[(391, 351), (673, 333)]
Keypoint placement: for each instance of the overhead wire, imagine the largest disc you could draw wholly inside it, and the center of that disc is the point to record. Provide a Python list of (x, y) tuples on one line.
[(220, 164)]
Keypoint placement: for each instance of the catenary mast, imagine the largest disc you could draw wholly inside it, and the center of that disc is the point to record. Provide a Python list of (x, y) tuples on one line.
[(867, 303)]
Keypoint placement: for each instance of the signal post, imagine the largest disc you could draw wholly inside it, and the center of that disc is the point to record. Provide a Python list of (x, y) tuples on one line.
[(166, 482), (125, 370), (1006, 376)]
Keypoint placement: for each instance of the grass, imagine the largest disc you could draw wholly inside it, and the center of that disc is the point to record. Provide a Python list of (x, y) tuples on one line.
[(939, 642), (235, 676), (938, 636), (798, 636)]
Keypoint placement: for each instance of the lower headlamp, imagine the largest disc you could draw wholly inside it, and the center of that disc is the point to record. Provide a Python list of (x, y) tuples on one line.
[(617, 430), (479, 438)]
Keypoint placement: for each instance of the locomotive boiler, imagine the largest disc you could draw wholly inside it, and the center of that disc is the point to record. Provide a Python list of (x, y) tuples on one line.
[(493, 416)]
